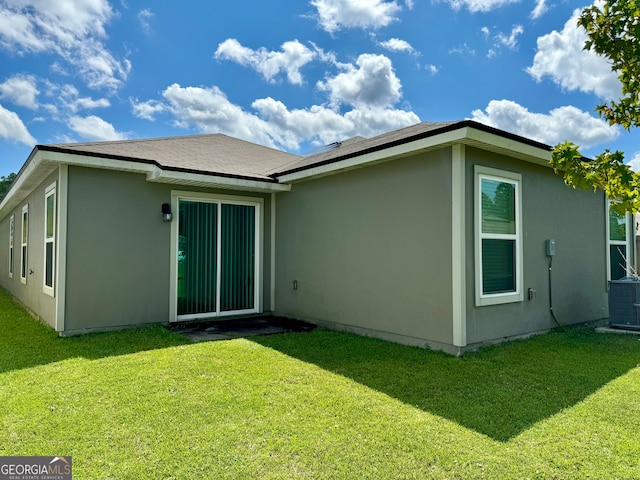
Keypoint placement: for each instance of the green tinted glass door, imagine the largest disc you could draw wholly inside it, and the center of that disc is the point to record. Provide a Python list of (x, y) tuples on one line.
[(197, 257), (216, 258), (237, 242)]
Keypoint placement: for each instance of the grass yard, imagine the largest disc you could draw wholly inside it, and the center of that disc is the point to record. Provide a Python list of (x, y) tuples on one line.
[(149, 404)]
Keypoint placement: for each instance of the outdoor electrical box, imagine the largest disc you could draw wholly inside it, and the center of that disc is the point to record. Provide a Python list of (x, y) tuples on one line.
[(550, 247)]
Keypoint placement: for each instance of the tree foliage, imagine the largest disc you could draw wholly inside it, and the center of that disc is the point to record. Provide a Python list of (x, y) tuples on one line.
[(5, 184), (613, 31)]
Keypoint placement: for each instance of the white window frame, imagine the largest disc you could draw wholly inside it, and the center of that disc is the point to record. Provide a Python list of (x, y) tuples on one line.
[(12, 230), (481, 173), (628, 242), (49, 289), (24, 245)]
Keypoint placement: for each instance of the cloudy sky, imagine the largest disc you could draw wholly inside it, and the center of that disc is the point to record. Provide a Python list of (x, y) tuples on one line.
[(296, 75)]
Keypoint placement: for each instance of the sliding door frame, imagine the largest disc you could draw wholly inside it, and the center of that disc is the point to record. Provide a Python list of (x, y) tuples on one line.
[(258, 204)]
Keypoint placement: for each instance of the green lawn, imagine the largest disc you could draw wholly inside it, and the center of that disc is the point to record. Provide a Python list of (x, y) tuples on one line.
[(149, 404)]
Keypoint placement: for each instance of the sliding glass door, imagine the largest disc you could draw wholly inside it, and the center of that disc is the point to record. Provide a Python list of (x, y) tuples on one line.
[(216, 258)]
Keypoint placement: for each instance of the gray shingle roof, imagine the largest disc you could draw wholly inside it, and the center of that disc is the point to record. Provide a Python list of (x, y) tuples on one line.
[(360, 145), (211, 154), (219, 154)]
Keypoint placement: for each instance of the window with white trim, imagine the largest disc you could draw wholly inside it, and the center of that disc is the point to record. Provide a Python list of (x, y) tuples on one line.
[(619, 246), (49, 238), (12, 228), (24, 240), (498, 236)]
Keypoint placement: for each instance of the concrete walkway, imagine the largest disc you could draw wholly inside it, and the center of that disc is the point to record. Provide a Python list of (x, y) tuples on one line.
[(617, 330), (239, 328)]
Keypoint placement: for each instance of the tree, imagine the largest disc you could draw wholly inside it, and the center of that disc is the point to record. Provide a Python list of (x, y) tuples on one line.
[(613, 31), (5, 184)]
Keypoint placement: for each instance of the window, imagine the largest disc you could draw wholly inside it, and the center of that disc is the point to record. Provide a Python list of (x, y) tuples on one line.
[(24, 242), (620, 253), (12, 227), (49, 238), (498, 239)]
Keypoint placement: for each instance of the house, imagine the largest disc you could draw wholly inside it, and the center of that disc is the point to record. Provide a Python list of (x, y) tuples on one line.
[(434, 235)]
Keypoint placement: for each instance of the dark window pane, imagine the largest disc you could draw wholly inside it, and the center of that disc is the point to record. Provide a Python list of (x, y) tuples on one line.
[(498, 266), (23, 265), (50, 212), (617, 254), (48, 279)]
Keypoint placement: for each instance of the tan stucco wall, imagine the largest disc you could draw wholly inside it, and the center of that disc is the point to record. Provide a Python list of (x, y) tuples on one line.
[(118, 251), (576, 220), (370, 250), (31, 295)]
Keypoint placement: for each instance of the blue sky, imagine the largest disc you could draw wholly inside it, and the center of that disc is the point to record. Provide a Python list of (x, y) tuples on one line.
[(296, 75)]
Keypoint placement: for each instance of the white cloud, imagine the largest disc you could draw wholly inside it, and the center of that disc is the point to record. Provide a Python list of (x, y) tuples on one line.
[(561, 57), (94, 128), (12, 128), (463, 49), (502, 40), (361, 99), (293, 56), (209, 110), (398, 45), (323, 125), (634, 163), (20, 90), (334, 15), (560, 124), (432, 69), (372, 83), (540, 9), (479, 5), (72, 29), (143, 17), (147, 110), (67, 99), (510, 41), (272, 123)]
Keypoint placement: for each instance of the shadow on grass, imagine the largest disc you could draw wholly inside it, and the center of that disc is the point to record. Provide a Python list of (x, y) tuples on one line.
[(500, 391), (26, 342)]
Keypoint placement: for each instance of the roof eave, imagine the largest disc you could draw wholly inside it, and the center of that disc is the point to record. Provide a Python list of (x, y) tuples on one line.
[(43, 160), (465, 132), (194, 179)]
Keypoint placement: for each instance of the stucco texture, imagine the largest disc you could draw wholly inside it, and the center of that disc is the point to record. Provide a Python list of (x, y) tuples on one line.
[(575, 219), (370, 250)]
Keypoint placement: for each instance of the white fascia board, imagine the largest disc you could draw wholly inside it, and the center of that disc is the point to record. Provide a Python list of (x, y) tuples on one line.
[(212, 181), (43, 162), (375, 157), (508, 146), (80, 160), (31, 175), (465, 135)]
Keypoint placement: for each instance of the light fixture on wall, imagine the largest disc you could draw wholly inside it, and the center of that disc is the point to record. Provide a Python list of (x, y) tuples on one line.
[(167, 216)]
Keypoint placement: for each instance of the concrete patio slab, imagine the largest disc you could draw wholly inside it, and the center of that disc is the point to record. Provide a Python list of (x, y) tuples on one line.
[(214, 330)]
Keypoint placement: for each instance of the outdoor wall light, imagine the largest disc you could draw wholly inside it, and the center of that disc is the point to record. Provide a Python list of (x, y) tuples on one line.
[(167, 216)]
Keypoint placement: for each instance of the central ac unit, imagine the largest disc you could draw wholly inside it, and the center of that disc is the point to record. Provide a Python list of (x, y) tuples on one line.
[(624, 303)]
